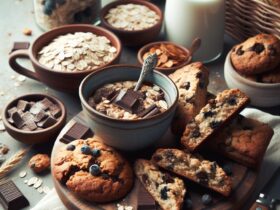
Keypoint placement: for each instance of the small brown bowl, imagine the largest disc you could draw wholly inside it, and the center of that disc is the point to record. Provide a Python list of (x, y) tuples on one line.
[(170, 70), (63, 81), (39, 136), (137, 37)]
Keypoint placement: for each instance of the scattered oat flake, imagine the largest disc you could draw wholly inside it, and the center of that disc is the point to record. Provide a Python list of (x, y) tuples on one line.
[(40, 190), (27, 31), (2, 127), (16, 84), (123, 207), (21, 78), (22, 174), (32, 181), (13, 77), (46, 189), (38, 183), (25, 181)]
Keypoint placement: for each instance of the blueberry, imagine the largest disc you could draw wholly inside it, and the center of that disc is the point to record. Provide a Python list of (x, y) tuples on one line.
[(95, 152), (60, 2), (163, 193), (232, 100), (94, 170), (257, 47), (195, 133), (70, 147), (227, 169), (85, 149), (188, 203), (206, 199), (47, 11), (49, 6)]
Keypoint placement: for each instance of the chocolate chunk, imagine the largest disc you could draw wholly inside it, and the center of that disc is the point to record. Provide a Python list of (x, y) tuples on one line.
[(46, 103), (231, 100), (31, 125), (145, 200), (157, 158), (77, 131), (272, 50), (167, 178), (11, 197), (208, 114), (17, 119), (36, 108), (27, 116), (48, 122), (227, 169), (163, 193), (40, 116), (55, 111), (240, 51), (146, 111), (199, 75), (202, 177), (20, 46), (127, 99), (214, 124), (11, 111), (185, 85), (257, 47), (195, 133), (152, 113), (23, 105)]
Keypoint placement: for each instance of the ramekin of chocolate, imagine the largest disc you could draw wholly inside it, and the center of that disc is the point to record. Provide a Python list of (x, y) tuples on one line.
[(63, 56), (128, 122), (34, 118)]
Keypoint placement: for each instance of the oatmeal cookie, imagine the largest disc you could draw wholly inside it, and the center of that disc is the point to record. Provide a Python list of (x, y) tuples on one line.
[(195, 168), (267, 77), (191, 81), (167, 190), (93, 171), (39, 163), (257, 54), (215, 115), (245, 140)]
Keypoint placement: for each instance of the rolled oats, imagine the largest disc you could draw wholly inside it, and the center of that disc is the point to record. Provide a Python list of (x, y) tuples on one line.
[(80, 51), (152, 96), (132, 17)]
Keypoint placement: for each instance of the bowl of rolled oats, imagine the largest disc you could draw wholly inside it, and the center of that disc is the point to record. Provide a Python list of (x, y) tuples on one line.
[(171, 56), (143, 120), (63, 56), (135, 22)]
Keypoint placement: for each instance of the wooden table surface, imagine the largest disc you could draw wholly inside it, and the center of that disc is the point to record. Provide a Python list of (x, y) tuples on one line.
[(17, 15)]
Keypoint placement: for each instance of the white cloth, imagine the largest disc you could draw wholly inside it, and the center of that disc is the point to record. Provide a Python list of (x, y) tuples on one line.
[(270, 163)]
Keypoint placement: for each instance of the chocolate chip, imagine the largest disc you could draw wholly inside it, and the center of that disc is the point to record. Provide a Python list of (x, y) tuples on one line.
[(167, 178), (272, 50), (70, 147), (126, 99), (231, 100), (157, 158), (240, 51), (195, 133), (199, 75), (227, 169), (202, 177), (94, 170), (186, 85), (206, 199), (257, 47), (163, 193), (214, 124), (145, 178), (209, 114)]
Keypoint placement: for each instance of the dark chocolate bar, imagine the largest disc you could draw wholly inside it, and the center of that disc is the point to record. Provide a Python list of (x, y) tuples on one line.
[(77, 131), (11, 197)]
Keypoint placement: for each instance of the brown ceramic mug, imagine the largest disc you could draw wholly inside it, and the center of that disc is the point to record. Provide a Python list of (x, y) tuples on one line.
[(63, 81)]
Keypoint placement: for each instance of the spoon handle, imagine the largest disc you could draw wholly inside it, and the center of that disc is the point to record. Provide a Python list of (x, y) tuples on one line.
[(148, 66)]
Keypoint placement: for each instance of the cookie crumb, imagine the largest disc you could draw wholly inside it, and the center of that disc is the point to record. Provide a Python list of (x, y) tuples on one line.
[(27, 31), (39, 163)]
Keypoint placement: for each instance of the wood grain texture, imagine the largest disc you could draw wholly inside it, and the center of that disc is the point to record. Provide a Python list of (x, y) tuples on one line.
[(243, 181)]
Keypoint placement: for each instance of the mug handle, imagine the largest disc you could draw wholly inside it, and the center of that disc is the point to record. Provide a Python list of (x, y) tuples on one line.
[(21, 53)]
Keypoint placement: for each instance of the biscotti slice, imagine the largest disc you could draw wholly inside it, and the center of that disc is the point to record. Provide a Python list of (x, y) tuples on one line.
[(191, 81), (167, 190), (195, 168), (213, 117), (245, 140)]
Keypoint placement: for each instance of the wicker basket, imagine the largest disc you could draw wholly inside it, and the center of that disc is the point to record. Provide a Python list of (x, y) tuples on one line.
[(246, 18)]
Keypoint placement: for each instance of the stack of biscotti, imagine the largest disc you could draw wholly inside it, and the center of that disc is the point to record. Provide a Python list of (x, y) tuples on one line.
[(166, 189), (245, 140), (192, 81), (213, 117)]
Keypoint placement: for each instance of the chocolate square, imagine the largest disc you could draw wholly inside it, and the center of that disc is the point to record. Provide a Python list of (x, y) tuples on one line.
[(40, 116), (22, 105), (17, 119), (77, 131), (31, 125), (127, 99), (46, 103), (11, 197), (55, 111), (48, 122), (11, 111)]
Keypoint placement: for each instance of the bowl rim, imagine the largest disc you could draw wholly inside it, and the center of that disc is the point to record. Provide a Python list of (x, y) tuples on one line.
[(111, 5), (59, 121), (75, 26), (229, 67), (143, 49), (105, 117)]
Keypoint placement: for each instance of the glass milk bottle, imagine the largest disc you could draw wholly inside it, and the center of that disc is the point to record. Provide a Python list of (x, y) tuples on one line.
[(186, 20)]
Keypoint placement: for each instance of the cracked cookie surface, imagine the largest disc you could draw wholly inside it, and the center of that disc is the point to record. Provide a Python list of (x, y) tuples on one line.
[(93, 171)]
